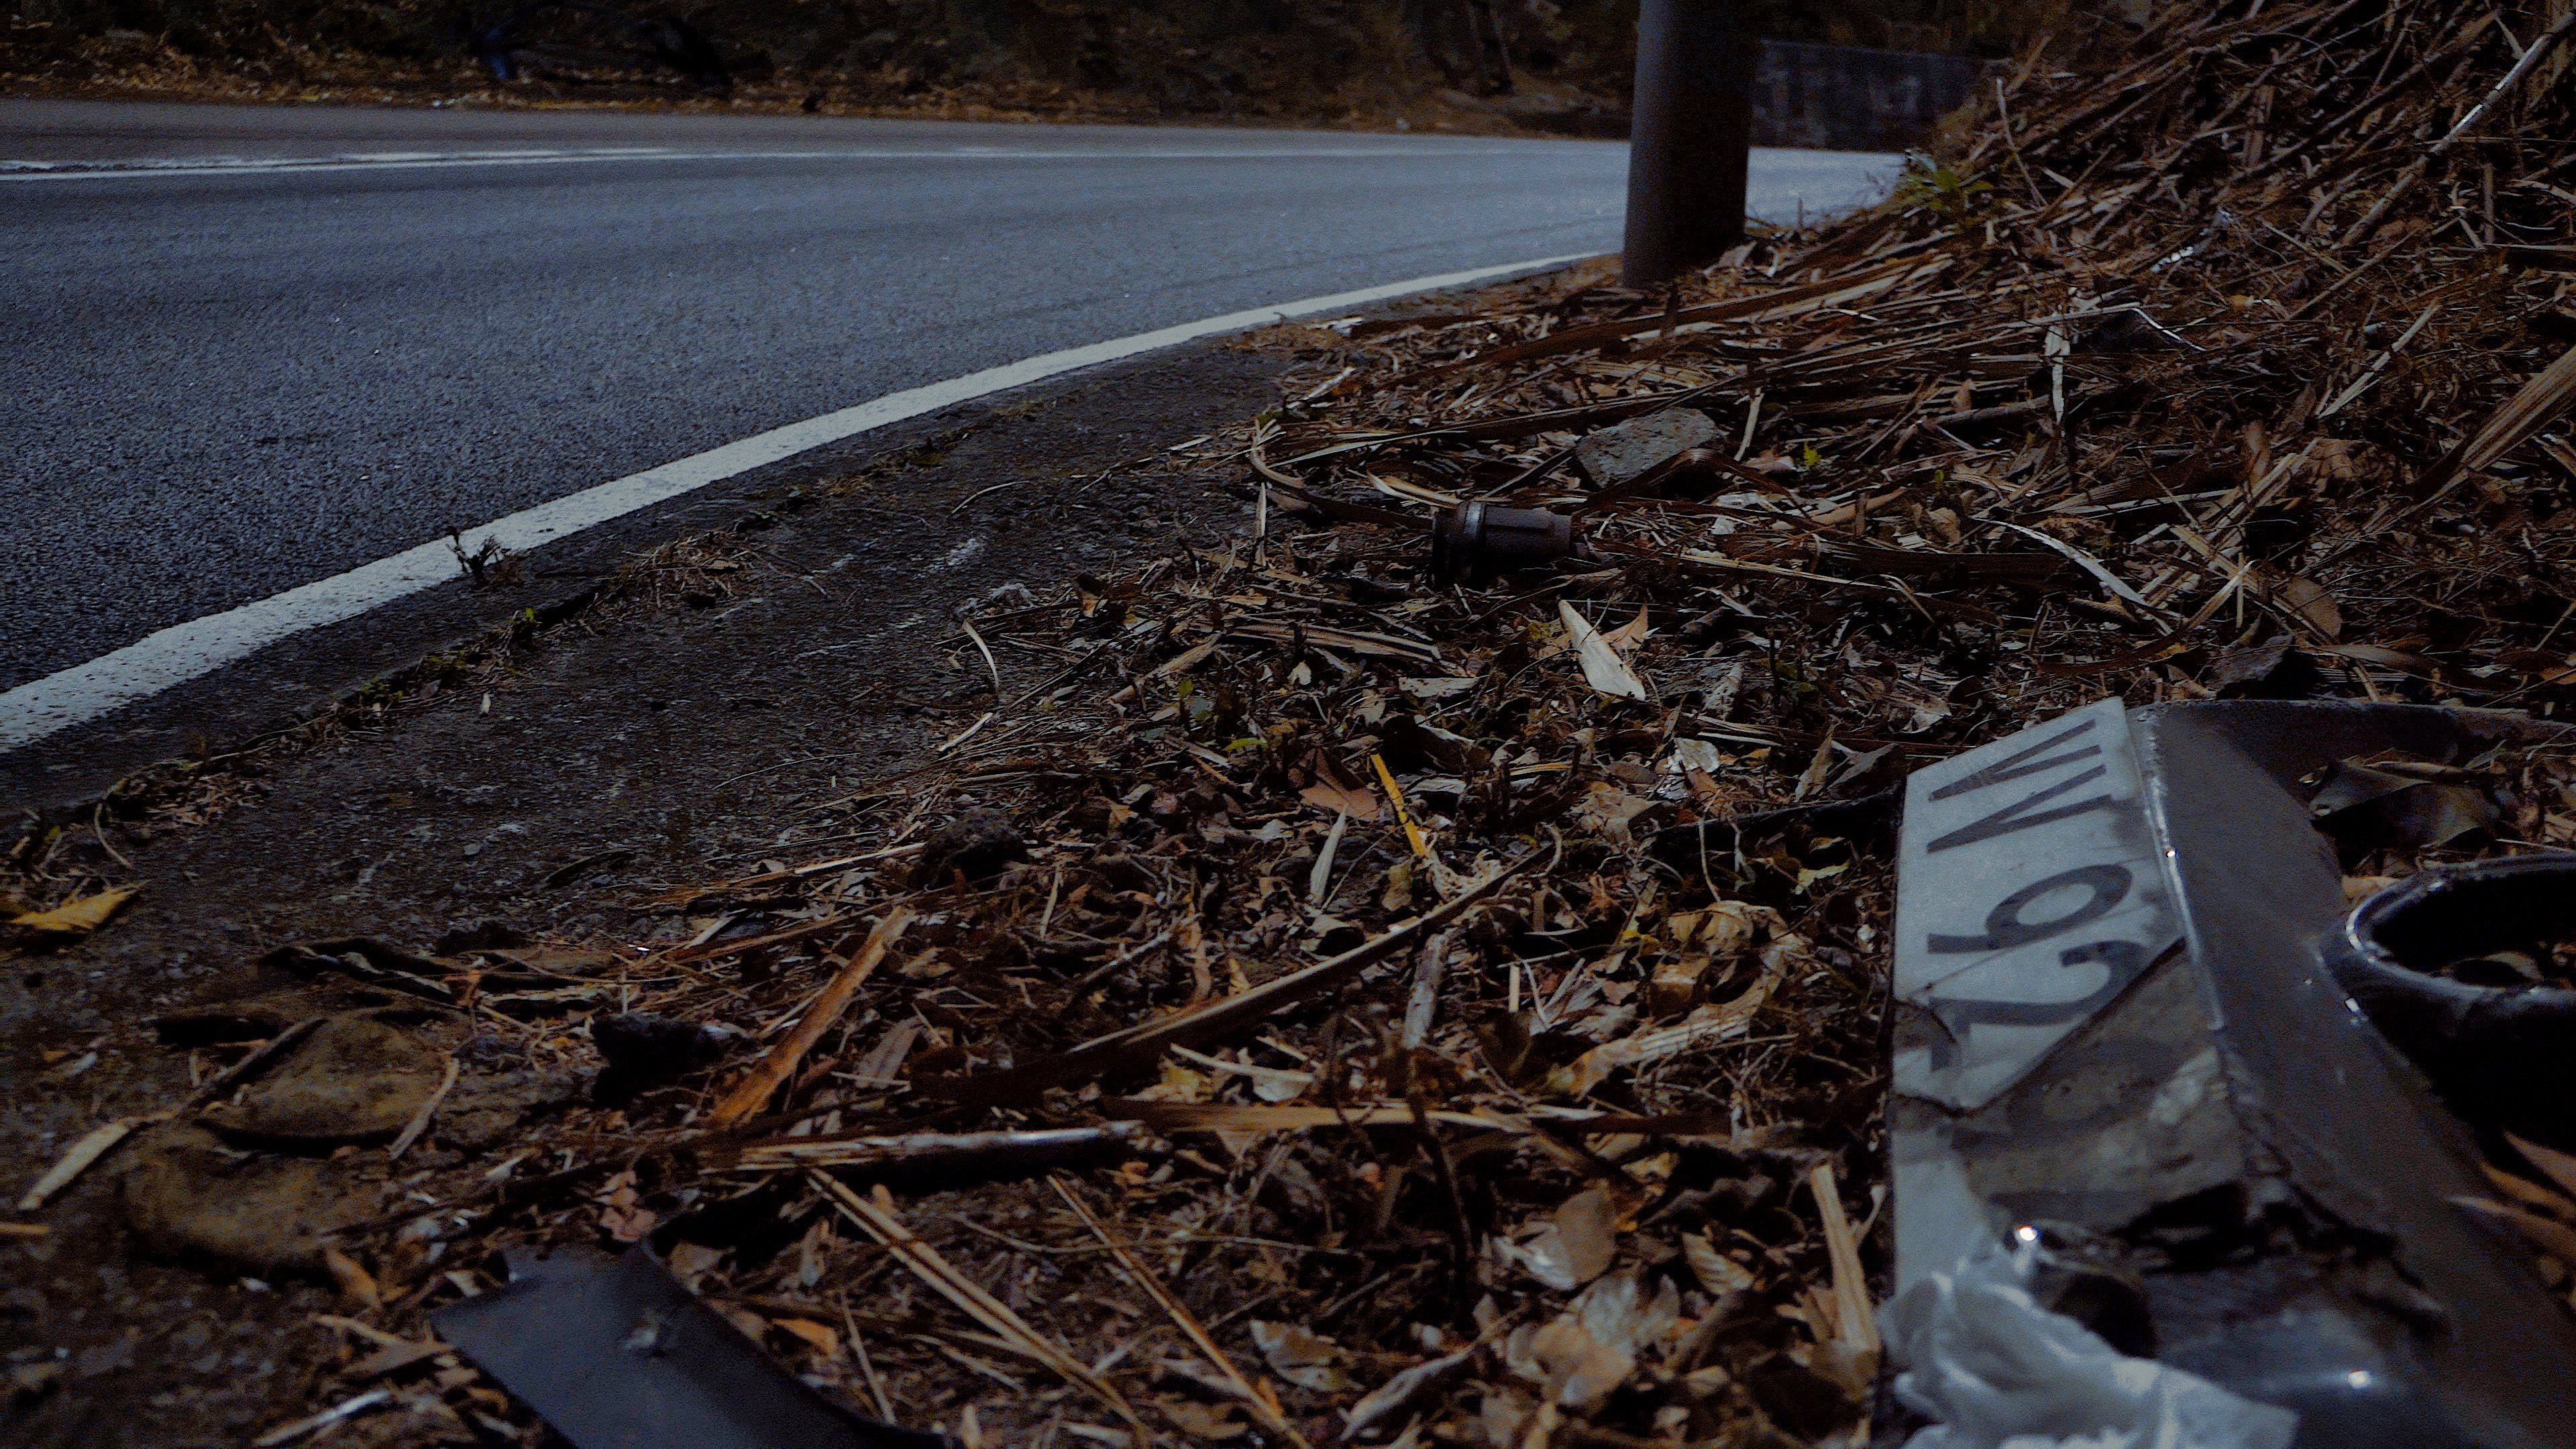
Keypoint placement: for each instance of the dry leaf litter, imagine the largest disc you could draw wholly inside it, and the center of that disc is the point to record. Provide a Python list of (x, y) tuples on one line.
[(1315, 998)]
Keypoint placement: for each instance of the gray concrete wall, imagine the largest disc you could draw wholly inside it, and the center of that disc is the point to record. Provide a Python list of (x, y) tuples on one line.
[(1845, 98)]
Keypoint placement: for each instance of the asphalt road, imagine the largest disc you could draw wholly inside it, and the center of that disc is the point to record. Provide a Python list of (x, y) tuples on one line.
[(252, 348)]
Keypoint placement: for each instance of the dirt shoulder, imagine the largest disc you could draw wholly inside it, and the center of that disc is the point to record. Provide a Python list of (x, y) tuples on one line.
[(737, 695), (784, 506), (1478, 985)]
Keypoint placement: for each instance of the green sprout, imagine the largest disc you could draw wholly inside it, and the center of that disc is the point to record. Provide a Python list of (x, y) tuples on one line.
[(1949, 195)]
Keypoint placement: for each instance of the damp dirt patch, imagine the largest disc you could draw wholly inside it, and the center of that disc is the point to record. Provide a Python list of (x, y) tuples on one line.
[(723, 701)]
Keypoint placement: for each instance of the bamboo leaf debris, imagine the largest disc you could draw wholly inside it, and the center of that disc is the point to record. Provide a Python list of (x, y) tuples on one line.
[(1484, 976)]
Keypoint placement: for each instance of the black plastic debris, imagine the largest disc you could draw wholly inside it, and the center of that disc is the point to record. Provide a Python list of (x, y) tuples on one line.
[(2497, 1053), (481, 936), (615, 1354), (1477, 541), (562, 38), (2267, 671), (2368, 807), (2150, 1070)]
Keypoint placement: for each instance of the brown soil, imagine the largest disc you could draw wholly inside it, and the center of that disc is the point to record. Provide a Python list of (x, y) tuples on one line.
[(655, 741)]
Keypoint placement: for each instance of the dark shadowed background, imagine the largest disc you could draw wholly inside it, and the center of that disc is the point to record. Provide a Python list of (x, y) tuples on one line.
[(1558, 66)]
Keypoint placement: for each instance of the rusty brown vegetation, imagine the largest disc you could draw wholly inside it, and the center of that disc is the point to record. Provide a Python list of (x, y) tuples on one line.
[(1560, 65), (1471, 989)]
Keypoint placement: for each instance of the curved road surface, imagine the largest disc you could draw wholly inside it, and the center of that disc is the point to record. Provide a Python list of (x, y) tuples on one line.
[(249, 349)]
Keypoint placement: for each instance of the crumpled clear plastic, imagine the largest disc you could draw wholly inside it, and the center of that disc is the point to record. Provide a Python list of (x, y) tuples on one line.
[(1997, 1371)]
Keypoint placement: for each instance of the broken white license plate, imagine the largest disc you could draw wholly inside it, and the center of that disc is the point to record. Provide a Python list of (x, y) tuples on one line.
[(2030, 893)]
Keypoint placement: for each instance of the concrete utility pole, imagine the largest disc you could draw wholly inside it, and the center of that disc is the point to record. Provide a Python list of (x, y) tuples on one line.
[(1692, 126)]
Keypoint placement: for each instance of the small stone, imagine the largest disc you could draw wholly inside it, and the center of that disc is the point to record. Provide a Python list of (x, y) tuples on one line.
[(1615, 455)]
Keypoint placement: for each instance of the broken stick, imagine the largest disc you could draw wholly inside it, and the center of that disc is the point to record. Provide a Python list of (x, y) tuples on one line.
[(752, 1093)]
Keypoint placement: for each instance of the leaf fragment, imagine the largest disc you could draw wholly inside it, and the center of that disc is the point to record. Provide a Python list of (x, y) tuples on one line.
[(76, 918)]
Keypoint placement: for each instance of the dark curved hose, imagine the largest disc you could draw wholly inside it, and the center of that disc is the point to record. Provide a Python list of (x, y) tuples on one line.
[(2498, 1055)]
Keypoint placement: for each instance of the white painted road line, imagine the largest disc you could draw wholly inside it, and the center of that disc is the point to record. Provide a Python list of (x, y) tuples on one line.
[(30, 170), (199, 647)]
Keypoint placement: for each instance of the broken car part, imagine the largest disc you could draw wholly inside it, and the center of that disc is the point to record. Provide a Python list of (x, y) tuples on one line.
[(2498, 1054), (1477, 541), (616, 1354), (2132, 1028)]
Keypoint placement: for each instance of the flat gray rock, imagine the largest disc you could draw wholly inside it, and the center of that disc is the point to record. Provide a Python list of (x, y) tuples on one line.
[(355, 1079), (1615, 455)]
